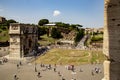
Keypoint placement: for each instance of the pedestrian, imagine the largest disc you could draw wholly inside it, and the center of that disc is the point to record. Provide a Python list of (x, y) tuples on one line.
[(35, 69), (41, 65), (96, 69), (59, 73), (54, 69), (81, 70), (92, 73), (17, 66), (72, 68), (49, 66), (15, 77), (20, 63), (38, 74)]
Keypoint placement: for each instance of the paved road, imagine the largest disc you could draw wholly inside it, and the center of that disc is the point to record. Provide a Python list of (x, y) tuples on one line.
[(81, 44), (27, 72)]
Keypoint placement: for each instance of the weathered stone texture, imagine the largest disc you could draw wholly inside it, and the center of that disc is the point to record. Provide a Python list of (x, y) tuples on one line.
[(112, 29), (106, 70), (23, 40), (111, 45)]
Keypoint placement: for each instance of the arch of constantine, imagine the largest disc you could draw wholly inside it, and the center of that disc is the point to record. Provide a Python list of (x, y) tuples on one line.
[(23, 40)]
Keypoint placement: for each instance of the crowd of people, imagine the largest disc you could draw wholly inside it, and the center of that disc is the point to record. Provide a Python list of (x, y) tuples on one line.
[(44, 67)]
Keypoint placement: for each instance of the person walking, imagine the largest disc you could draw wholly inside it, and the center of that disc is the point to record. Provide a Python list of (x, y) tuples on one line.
[(15, 77), (38, 75), (17, 66)]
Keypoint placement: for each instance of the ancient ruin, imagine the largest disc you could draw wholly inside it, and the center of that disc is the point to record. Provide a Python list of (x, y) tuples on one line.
[(111, 45), (2, 19), (23, 40)]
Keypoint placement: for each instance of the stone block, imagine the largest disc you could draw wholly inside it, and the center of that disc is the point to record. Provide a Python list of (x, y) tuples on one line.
[(106, 70), (111, 70)]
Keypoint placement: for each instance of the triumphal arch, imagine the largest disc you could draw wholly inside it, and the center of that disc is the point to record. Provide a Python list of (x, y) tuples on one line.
[(23, 40), (111, 45)]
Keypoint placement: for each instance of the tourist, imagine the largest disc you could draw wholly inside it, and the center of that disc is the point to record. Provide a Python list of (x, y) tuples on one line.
[(81, 70), (54, 69), (59, 73), (17, 66), (20, 63), (49, 66), (96, 69), (15, 77), (35, 69), (92, 72), (38, 74), (41, 65)]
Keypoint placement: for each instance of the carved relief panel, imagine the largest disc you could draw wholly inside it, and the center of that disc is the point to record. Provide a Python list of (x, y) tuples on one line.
[(14, 27)]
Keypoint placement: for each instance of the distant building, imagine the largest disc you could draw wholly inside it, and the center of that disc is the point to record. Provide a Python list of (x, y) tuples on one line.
[(49, 26), (23, 40), (92, 30), (88, 30), (100, 30), (2, 19)]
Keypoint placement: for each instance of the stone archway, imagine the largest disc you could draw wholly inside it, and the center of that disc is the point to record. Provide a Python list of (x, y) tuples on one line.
[(111, 45)]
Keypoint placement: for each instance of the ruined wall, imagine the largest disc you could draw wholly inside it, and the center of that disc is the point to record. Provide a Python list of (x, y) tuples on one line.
[(111, 45)]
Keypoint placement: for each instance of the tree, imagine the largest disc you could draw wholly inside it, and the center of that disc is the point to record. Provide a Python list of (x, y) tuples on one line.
[(64, 25), (41, 31), (5, 25), (43, 21), (11, 21), (55, 33), (79, 35), (78, 25)]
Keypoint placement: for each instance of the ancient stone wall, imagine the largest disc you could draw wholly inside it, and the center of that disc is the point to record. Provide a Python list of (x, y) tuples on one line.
[(111, 45)]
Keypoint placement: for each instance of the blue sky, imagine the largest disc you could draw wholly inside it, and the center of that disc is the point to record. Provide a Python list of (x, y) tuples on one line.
[(88, 13)]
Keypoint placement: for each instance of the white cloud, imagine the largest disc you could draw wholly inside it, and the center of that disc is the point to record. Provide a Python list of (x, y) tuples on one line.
[(56, 13)]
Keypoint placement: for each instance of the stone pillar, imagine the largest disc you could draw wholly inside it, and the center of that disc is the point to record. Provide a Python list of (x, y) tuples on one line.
[(14, 49), (111, 44)]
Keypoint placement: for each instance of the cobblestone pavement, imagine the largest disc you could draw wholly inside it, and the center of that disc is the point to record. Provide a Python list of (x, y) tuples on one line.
[(27, 72)]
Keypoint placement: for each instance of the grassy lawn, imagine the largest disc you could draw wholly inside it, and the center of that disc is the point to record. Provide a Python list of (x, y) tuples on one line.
[(45, 40), (70, 56), (98, 37), (4, 36)]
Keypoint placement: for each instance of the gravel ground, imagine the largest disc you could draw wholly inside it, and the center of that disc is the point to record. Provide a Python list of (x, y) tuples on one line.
[(27, 72)]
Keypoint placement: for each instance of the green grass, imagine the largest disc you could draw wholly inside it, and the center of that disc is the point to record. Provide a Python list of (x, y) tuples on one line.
[(45, 40), (98, 37), (71, 56), (4, 36)]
